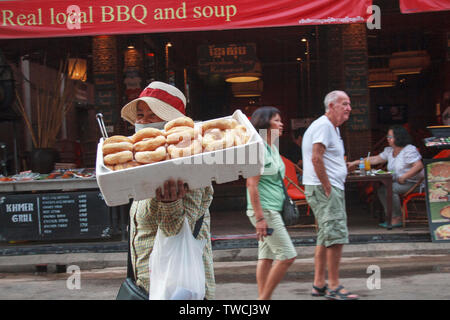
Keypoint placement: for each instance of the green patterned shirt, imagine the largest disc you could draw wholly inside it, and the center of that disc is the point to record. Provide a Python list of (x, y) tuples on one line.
[(147, 215)]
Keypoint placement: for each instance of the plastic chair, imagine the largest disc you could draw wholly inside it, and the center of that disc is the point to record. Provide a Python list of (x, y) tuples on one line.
[(294, 190), (416, 202)]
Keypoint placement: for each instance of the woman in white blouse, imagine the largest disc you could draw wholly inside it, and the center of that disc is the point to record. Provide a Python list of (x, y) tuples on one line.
[(404, 162)]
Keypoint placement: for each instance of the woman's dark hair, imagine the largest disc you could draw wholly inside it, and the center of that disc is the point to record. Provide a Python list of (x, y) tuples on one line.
[(401, 136), (260, 119)]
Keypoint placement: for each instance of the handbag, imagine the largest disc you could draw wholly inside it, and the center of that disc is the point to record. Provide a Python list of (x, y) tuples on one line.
[(129, 290), (290, 213)]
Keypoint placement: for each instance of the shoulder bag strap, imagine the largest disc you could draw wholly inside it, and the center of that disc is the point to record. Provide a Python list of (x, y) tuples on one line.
[(284, 187), (130, 273), (198, 226)]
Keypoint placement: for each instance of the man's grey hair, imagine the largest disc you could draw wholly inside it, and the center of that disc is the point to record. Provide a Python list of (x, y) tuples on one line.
[(332, 97)]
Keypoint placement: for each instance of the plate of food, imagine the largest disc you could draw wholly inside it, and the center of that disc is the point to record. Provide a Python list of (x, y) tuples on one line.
[(439, 191), (382, 172), (438, 171), (443, 232), (445, 212)]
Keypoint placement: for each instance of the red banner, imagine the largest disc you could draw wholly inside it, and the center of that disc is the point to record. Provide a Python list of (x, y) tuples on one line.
[(60, 18), (414, 6)]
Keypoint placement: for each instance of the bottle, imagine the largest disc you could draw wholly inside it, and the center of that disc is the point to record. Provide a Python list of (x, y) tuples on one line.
[(362, 171)]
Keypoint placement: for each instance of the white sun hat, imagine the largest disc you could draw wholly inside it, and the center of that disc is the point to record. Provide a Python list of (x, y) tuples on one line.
[(165, 101)]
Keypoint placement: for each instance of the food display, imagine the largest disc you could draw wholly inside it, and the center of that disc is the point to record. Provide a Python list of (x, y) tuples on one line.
[(439, 171), (437, 142), (445, 212), (443, 232), (438, 198), (180, 138), (439, 191), (82, 173), (217, 150)]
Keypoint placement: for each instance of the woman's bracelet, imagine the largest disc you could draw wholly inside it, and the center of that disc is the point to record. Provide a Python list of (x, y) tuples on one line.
[(260, 219)]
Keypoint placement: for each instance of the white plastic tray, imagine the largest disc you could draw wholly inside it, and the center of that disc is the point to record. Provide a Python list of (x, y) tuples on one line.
[(198, 171)]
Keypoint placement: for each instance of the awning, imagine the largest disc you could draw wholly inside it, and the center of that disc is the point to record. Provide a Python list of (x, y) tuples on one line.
[(61, 18), (415, 6)]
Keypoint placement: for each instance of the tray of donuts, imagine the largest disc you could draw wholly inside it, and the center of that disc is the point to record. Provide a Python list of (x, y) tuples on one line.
[(219, 150)]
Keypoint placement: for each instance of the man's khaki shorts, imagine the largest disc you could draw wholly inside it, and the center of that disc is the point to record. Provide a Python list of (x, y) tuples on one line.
[(330, 214), (279, 245)]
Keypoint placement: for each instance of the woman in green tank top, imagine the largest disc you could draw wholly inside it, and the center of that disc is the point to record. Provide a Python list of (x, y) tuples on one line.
[(265, 197)]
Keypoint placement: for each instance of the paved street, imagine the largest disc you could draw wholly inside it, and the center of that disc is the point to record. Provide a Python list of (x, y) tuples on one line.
[(401, 278)]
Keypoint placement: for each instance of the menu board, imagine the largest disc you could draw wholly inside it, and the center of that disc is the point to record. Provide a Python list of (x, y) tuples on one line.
[(437, 175), (49, 216)]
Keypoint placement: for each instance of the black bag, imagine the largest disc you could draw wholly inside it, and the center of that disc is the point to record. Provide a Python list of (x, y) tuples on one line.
[(290, 213), (129, 290)]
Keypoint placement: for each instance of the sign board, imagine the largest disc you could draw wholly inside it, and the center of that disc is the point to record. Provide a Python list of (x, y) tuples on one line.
[(359, 118), (414, 6), (62, 18), (227, 58), (437, 177), (105, 79), (355, 76), (50, 216)]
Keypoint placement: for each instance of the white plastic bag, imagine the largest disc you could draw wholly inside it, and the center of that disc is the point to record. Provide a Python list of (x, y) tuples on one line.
[(176, 266)]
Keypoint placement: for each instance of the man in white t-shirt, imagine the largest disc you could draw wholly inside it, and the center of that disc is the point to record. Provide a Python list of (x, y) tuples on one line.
[(324, 174)]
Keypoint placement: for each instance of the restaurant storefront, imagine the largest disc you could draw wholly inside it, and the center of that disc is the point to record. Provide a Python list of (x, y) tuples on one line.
[(298, 51)]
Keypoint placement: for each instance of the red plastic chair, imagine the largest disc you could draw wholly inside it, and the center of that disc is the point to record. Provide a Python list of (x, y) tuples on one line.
[(293, 188)]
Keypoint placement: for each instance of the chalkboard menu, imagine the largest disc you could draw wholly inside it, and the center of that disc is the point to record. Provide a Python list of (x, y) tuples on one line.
[(50, 216)]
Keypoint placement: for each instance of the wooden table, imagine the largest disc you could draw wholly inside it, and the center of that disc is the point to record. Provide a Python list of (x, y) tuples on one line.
[(386, 179)]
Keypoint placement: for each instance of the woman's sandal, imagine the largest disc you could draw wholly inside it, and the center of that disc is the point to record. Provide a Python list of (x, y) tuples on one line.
[(320, 292), (336, 294)]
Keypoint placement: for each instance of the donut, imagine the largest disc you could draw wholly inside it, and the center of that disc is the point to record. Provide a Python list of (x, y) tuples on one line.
[(213, 140), (119, 157), (241, 135), (182, 135), (115, 147), (176, 129), (184, 149), (129, 164), (149, 144), (151, 156), (115, 139), (179, 122), (212, 135), (146, 133), (222, 124)]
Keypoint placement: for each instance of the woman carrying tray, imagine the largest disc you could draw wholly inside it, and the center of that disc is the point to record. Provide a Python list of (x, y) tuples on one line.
[(157, 104), (265, 197)]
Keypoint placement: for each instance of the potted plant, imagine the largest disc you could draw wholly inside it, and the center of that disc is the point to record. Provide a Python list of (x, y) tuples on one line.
[(53, 98)]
